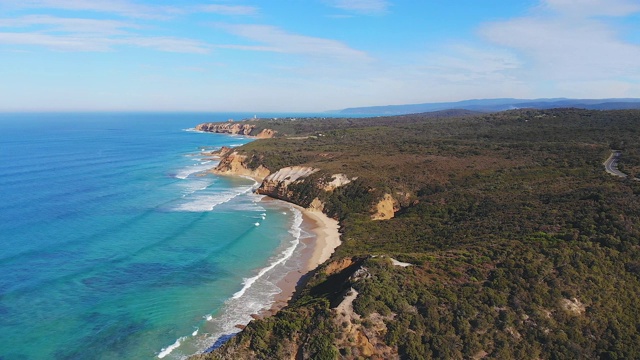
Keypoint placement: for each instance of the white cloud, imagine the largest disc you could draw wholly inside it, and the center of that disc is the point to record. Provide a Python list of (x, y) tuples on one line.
[(361, 6), (467, 63), (120, 7), (562, 48), (128, 8), (228, 9), (62, 43), (89, 35), (273, 39), (582, 8), (88, 43), (166, 44), (77, 25)]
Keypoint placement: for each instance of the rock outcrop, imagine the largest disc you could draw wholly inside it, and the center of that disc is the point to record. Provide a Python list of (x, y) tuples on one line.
[(337, 180), (266, 134), (277, 184), (236, 164), (219, 153), (316, 205), (236, 129), (385, 209)]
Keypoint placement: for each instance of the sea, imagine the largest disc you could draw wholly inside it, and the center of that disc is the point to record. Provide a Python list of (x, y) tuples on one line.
[(116, 243)]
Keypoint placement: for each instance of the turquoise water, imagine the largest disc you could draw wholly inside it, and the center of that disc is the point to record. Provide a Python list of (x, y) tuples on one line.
[(115, 245)]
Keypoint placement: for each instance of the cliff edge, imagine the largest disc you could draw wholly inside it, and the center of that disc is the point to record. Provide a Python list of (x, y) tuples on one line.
[(234, 163), (236, 129)]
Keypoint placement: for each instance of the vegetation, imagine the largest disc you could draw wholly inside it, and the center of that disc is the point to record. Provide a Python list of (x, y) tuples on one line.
[(522, 246)]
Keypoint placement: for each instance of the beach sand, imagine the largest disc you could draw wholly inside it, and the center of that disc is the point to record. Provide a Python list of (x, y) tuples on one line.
[(318, 250)]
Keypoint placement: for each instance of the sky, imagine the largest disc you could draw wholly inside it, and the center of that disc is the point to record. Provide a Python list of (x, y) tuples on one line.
[(310, 55)]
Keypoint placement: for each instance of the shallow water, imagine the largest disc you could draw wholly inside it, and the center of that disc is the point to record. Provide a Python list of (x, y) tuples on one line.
[(115, 245)]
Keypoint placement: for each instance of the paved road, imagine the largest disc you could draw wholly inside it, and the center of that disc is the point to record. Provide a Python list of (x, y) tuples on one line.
[(611, 165)]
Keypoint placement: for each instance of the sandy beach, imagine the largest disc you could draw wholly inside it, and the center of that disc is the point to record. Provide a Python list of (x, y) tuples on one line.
[(318, 250), (327, 237)]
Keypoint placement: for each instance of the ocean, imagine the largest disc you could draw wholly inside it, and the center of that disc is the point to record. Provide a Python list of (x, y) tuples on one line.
[(115, 244)]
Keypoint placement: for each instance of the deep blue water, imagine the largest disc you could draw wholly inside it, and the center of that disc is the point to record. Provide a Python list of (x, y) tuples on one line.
[(115, 245)]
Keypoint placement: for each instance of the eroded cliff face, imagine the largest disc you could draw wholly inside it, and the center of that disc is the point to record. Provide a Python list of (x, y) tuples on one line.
[(386, 208), (266, 134), (237, 164), (337, 180), (277, 184), (236, 129)]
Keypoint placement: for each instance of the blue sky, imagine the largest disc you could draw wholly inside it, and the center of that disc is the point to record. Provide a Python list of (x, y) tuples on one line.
[(310, 55)]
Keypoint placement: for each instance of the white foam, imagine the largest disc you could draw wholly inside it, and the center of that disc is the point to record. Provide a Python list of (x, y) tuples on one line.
[(195, 333), (286, 254), (193, 169), (247, 207), (207, 202), (257, 224), (258, 198), (250, 178), (257, 293), (194, 185), (170, 348)]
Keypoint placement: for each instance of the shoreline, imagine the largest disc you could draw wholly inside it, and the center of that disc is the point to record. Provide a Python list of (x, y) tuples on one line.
[(318, 249)]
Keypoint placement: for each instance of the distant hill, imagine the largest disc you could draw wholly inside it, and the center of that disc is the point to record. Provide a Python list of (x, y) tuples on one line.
[(492, 105), (450, 113)]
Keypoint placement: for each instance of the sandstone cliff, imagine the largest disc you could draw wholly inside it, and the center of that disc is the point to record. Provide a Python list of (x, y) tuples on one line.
[(290, 184), (237, 164), (236, 129), (337, 180), (386, 208), (277, 184)]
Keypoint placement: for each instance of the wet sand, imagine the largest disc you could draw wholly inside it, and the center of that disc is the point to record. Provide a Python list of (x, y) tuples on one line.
[(319, 247)]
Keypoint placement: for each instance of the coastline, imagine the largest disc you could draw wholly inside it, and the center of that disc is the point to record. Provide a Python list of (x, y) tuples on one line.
[(318, 249)]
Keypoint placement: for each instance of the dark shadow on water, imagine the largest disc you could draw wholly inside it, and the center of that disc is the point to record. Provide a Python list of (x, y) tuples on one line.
[(221, 340)]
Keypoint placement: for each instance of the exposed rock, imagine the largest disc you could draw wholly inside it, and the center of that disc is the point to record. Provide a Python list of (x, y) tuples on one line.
[(513, 332), (337, 266), (573, 306), (337, 180), (480, 355), (400, 263), (235, 129), (277, 184), (266, 134), (361, 273), (221, 152), (316, 205), (385, 209), (368, 341), (236, 164)]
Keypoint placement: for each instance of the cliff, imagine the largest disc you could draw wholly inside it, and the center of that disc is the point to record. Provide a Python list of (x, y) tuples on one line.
[(386, 208), (296, 184), (236, 129), (237, 164), (277, 185)]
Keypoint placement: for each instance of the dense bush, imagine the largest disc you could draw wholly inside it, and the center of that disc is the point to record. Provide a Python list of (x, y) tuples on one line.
[(522, 246)]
